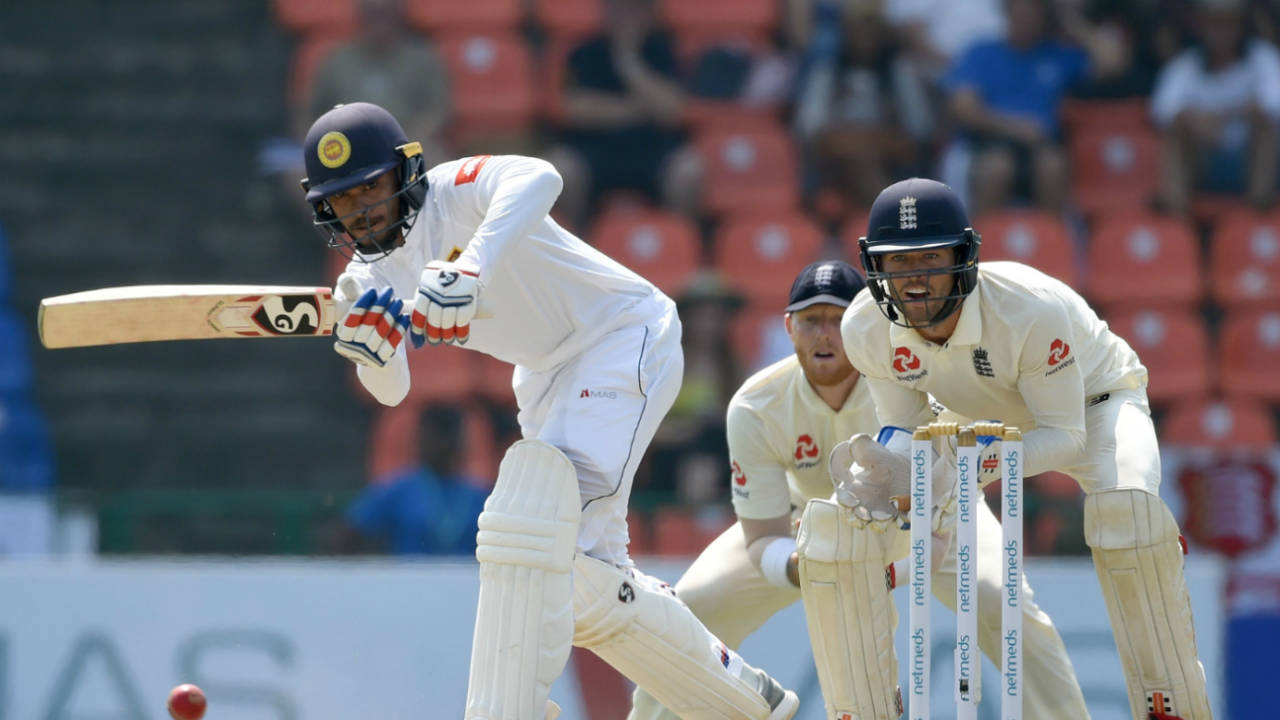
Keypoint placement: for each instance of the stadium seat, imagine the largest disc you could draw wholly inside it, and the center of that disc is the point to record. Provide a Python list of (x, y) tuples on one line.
[(1140, 257), (307, 56), (678, 531), (853, 228), (306, 16), (1086, 115), (434, 16), (1036, 238), (758, 335), (661, 246), (1249, 354), (492, 379), (761, 253), (1244, 259), (757, 17), (1174, 345), (393, 440), (492, 79), (1232, 423), (441, 374), (1114, 168), (569, 18), (748, 169)]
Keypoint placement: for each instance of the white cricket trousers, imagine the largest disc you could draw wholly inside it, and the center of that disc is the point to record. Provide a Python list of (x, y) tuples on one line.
[(601, 409)]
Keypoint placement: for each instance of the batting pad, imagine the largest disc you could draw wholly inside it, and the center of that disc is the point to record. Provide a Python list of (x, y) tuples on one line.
[(524, 621), (850, 615), (637, 624), (1138, 555)]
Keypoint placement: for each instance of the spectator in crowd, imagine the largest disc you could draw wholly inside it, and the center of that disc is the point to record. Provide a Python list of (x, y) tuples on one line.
[(27, 513), (623, 108), (429, 509), (936, 32), (688, 454), (1218, 104), (865, 117), (387, 65), (1144, 33), (1004, 96)]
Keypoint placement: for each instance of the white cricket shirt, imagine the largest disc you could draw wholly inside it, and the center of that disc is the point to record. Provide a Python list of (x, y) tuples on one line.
[(780, 434), (1027, 351), (549, 294)]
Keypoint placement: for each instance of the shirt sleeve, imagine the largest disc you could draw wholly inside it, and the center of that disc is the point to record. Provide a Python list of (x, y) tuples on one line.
[(1266, 72), (760, 487), (513, 193), (965, 71), (1171, 93), (1052, 387)]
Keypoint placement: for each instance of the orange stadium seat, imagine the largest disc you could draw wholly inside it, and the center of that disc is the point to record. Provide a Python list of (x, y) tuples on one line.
[(1036, 238), (662, 246), (761, 253), (1144, 258), (750, 16), (1244, 258), (1233, 423), (441, 374), (492, 79), (569, 18), (1114, 168), (853, 228), (748, 169), (444, 15), (1249, 353), (492, 378), (393, 440), (307, 56), (1083, 115), (1174, 345), (756, 333), (677, 531), (310, 15)]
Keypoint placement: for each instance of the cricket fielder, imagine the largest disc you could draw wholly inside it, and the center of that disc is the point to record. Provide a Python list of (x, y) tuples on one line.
[(782, 425), (598, 364), (1006, 342)]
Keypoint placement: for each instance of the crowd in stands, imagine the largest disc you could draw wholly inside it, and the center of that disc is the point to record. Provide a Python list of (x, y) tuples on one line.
[(1128, 147)]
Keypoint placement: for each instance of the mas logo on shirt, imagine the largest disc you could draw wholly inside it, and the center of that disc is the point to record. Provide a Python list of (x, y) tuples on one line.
[(982, 363), (470, 169), (1059, 356), (739, 481), (806, 451), (606, 394), (906, 363)]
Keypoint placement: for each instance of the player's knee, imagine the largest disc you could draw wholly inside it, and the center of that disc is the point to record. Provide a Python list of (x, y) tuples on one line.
[(604, 600), (1127, 518)]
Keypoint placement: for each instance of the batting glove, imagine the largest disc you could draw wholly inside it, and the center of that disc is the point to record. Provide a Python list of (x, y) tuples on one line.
[(372, 329), (445, 305)]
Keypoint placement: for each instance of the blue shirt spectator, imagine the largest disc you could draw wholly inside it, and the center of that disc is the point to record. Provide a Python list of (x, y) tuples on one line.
[(1026, 82), (26, 458), (418, 512)]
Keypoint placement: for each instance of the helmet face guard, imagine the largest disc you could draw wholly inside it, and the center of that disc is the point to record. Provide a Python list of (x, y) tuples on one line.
[(374, 245), (880, 283)]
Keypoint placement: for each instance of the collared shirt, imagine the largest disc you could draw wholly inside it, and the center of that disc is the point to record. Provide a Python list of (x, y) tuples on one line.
[(780, 434), (1027, 351)]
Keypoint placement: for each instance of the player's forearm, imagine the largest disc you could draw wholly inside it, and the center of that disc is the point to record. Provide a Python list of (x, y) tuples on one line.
[(771, 545), (523, 192), (388, 385), (1046, 449)]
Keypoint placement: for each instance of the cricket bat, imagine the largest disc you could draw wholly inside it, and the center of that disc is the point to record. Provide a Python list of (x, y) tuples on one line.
[(148, 313)]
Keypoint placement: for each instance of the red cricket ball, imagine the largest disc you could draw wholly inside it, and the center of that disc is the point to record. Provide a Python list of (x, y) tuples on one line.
[(187, 702)]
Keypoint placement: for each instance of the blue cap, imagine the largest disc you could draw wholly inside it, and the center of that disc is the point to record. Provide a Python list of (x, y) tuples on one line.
[(833, 282), (349, 146), (915, 214)]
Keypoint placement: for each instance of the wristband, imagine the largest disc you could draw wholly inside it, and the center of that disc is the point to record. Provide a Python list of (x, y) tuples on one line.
[(773, 563)]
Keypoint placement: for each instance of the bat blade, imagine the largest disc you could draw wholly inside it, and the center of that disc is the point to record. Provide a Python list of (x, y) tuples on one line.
[(149, 313)]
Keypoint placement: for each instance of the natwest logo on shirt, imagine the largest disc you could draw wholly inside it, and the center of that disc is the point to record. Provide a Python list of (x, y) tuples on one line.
[(1059, 356), (806, 451), (907, 364), (739, 481)]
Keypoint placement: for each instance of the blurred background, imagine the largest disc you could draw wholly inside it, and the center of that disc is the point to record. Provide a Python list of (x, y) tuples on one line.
[(1128, 147)]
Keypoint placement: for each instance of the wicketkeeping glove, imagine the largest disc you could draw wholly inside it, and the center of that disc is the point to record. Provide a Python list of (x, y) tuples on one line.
[(445, 305), (372, 329)]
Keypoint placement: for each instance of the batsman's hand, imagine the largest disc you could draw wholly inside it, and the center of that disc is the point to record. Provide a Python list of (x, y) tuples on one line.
[(372, 329), (445, 305), (868, 476)]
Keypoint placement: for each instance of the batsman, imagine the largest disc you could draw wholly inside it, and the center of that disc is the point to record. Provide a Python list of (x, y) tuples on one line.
[(1004, 341), (598, 363)]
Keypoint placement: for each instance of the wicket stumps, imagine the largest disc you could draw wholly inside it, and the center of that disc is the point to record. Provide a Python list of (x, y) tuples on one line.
[(968, 658)]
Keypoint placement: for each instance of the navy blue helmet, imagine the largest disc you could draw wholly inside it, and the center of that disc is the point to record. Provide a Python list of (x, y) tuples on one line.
[(349, 146), (913, 215)]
